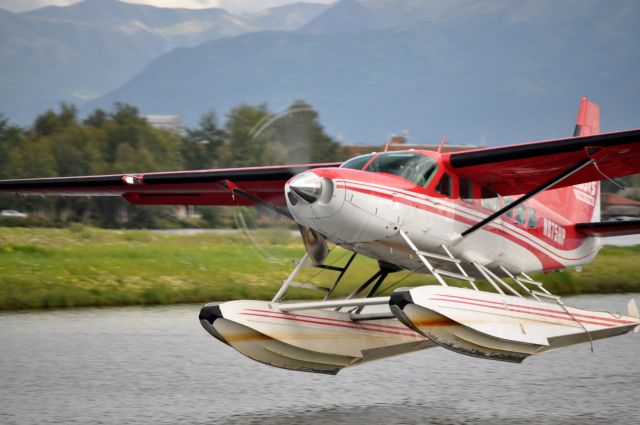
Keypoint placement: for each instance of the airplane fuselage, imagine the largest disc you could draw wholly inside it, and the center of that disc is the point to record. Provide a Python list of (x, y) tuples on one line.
[(365, 211)]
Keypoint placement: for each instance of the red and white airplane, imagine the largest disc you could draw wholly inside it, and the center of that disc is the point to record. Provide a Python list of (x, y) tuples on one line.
[(496, 214)]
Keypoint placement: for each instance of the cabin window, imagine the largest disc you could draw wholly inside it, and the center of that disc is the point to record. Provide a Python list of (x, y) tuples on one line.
[(507, 201), (533, 219), (358, 162), (521, 214), (490, 199), (466, 190), (444, 185), (415, 167)]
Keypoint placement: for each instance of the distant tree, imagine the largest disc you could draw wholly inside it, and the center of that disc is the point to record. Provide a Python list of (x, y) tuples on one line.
[(10, 136), (149, 149), (49, 122), (247, 140), (201, 146), (122, 141), (97, 119), (46, 123), (76, 150), (299, 130), (68, 115), (125, 114), (33, 157)]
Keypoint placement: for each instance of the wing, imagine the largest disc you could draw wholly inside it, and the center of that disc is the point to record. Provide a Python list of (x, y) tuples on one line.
[(204, 187), (609, 228), (519, 169)]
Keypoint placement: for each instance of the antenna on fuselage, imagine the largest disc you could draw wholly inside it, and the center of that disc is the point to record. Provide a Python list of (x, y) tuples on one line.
[(441, 145)]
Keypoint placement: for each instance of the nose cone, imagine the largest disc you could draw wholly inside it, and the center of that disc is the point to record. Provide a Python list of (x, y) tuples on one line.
[(307, 186)]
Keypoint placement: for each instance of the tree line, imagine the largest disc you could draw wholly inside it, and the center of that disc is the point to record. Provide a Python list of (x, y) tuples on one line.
[(59, 143)]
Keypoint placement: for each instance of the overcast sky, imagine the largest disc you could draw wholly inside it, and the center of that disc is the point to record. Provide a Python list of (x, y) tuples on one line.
[(236, 6)]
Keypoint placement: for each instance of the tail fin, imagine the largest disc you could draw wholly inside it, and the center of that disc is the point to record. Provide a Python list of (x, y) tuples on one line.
[(585, 199), (588, 122), (579, 203)]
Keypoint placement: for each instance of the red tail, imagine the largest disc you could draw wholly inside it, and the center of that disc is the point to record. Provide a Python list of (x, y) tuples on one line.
[(579, 203), (588, 122)]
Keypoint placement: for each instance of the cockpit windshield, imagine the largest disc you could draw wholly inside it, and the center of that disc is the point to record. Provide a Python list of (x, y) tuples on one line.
[(358, 162), (415, 167)]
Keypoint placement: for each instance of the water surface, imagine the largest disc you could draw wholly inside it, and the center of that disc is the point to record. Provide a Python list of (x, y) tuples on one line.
[(157, 365)]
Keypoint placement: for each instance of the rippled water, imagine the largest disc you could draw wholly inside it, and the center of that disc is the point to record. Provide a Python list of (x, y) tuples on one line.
[(157, 365)]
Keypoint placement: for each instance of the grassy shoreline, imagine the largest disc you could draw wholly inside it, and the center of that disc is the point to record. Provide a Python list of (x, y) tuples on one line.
[(81, 266)]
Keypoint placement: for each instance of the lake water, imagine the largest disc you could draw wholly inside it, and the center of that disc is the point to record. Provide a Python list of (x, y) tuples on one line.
[(157, 365)]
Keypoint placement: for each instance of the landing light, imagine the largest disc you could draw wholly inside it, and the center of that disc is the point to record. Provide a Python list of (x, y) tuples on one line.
[(132, 179)]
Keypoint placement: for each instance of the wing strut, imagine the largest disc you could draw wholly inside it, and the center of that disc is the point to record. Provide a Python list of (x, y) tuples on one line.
[(233, 188), (545, 186)]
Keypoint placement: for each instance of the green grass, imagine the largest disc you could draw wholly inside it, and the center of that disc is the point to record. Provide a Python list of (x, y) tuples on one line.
[(81, 266)]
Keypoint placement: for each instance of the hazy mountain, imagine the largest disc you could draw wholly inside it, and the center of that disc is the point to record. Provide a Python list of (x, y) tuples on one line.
[(43, 62), (85, 50), (171, 27), (482, 70), (516, 71), (344, 16), (288, 17), (179, 27)]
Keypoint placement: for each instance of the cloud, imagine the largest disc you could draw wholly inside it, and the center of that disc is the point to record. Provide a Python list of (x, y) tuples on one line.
[(24, 5), (235, 6)]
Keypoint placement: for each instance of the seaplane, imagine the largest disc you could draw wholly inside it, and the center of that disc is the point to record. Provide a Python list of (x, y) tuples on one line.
[(479, 221)]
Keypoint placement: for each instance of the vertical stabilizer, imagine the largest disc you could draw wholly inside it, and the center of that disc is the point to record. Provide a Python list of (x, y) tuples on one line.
[(588, 122), (579, 203)]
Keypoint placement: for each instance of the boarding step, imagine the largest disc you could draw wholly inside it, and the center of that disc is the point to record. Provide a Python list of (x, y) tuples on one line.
[(525, 278), (438, 256), (546, 295), (455, 275), (529, 282)]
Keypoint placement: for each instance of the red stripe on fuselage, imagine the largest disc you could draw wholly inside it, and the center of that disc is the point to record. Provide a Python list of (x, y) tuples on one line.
[(548, 263)]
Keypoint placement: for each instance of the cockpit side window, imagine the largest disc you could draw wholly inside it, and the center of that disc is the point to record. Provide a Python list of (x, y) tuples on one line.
[(358, 162), (521, 214), (444, 185), (508, 200), (490, 199), (415, 167), (532, 221), (465, 187)]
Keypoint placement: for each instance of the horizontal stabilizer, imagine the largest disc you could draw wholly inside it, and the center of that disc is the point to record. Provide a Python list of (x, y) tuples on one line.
[(609, 228)]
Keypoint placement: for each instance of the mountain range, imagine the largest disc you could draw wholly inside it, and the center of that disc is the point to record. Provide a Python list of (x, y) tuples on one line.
[(485, 71), (80, 52)]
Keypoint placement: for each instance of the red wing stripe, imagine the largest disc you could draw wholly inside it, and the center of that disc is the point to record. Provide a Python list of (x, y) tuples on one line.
[(564, 313), (317, 322), (523, 311)]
